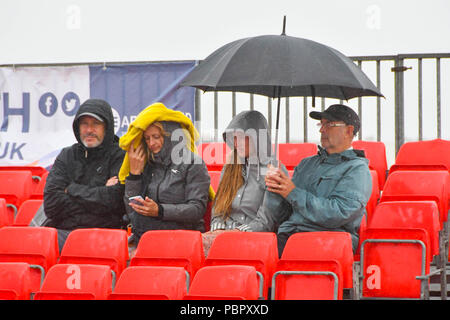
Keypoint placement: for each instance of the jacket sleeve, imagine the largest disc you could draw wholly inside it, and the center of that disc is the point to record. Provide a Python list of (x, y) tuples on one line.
[(100, 199), (196, 197), (57, 203), (270, 213), (343, 205)]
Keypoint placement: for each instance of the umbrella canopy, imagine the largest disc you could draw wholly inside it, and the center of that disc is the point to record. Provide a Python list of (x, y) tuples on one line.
[(281, 66)]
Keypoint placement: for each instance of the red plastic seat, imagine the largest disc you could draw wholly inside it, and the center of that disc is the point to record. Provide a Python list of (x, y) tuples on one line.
[(375, 152), (150, 283), (33, 245), (419, 185), (229, 282), (374, 196), (290, 154), (38, 191), (307, 280), (15, 186), (213, 154), (6, 215), (27, 211), (76, 282), (423, 155), (323, 245), (15, 281), (409, 214), (179, 248), (257, 249), (391, 261), (97, 246), (215, 179)]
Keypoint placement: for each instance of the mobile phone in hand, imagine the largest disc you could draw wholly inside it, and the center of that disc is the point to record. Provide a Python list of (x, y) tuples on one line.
[(134, 199)]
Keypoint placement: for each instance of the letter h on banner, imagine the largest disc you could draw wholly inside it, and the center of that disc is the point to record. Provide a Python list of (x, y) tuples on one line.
[(24, 111)]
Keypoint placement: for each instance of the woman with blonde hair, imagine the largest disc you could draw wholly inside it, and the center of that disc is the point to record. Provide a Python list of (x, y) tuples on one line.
[(166, 182)]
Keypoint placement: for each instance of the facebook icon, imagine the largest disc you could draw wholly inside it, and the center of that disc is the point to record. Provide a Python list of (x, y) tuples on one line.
[(48, 104)]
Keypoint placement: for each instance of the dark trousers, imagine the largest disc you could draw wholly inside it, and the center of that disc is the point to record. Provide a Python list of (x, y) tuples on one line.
[(282, 238)]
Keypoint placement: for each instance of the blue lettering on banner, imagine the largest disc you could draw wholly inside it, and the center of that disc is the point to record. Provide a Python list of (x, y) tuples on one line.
[(15, 150), (24, 111), (70, 103), (48, 103)]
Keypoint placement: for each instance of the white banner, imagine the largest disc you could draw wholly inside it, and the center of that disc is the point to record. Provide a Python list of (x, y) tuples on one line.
[(37, 105)]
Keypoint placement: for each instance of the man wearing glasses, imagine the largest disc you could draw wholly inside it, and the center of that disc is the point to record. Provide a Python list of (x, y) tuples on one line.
[(328, 191)]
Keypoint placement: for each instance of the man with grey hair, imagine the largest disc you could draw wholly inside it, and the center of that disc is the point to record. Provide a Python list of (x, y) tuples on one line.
[(82, 189), (328, 191)]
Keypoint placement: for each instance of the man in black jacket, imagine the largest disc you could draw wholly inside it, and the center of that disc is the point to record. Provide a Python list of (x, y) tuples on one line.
[(82, 189)]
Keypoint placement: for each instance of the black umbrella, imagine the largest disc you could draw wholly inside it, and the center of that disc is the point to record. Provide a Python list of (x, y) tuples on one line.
[(281, 66)]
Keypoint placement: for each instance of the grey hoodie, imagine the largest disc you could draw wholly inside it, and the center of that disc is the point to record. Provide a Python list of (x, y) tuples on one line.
[(248, 212), (180, 188)]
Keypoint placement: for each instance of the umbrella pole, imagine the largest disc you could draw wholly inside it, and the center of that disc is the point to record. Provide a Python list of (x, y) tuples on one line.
[(277, 125)]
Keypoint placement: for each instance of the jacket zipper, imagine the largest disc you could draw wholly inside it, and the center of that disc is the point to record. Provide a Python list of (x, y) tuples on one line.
[(157, 188)]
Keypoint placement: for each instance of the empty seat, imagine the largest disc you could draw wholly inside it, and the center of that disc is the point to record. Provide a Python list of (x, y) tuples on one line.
[(6, 215), (307, 280), (409, 214), (15, 281), (151, 283), (15, 186), (76, 282), (213, 154), (33, 245), (419, 185), (97, 246), (290, 154), (323, 245), (374, 196), (230, 282), (423, 155), (395, 263), (258, 249), (375, 152), (27, 211), (179, 248), (38, 191)]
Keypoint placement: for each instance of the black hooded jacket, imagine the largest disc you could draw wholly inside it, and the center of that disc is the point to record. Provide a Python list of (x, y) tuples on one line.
[(76, 195)]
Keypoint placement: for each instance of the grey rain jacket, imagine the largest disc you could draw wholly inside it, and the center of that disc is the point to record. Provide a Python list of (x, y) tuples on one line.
[(331, 194), (83, 172), (180, 188), (248, 212)]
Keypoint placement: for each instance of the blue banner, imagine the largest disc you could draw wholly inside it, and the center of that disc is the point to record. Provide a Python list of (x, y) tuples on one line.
[(129, 88)]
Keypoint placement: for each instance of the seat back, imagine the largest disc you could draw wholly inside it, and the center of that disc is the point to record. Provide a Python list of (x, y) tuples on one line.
[(257, 249), (229, 282), (180, 248), (27, 211), (150, 283), (38, 191), (15, 186), (213, 154), (215, 179), (97, 246), (423, 153), (33, 245), (76, 282), (323, 245), (374, 196), (15, 281), (375, 152), (409, 214), (391, 259), (6, 215), (419, 185), (307, 280), (290, 154)]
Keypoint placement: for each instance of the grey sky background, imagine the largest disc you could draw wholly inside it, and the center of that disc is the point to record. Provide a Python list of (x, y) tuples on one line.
[(71, 31)]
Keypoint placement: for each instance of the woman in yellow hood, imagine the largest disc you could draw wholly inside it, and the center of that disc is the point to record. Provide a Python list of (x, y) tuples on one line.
[(162, 167)]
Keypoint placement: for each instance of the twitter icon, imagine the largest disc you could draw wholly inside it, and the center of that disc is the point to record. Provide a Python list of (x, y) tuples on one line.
[(70, 103)]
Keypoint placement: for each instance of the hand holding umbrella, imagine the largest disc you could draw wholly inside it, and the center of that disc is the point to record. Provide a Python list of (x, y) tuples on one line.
[(278, 182)]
